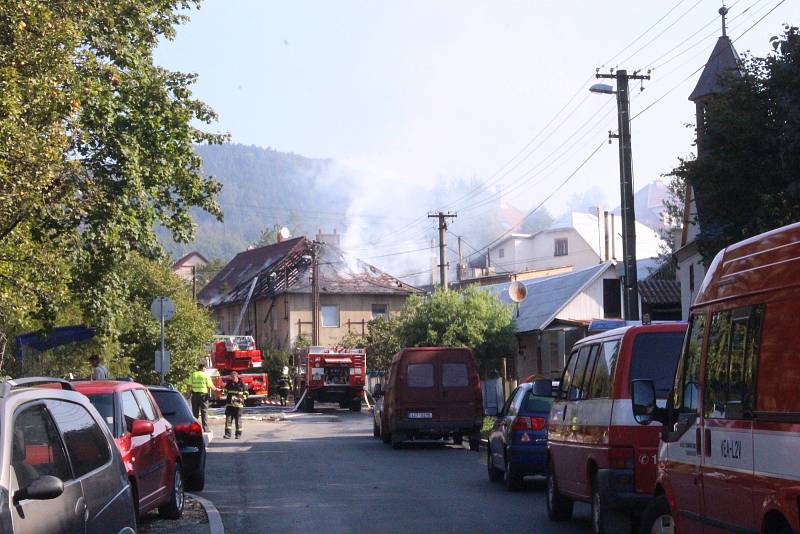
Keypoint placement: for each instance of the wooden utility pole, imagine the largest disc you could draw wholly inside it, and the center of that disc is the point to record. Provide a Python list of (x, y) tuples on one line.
[(315, 304), (630, 295), (442, 244)]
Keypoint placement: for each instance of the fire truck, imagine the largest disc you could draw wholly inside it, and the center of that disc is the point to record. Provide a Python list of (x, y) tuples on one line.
[(237, 353), (333, 374)]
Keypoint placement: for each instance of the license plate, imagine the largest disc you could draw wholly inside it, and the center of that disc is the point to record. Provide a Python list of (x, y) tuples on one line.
[(420, 415)]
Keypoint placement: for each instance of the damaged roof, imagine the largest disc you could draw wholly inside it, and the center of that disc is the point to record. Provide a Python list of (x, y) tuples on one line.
[(286, 267)]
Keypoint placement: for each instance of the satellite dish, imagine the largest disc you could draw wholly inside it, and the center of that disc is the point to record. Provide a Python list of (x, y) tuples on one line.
[(284, 234), (517, 291)]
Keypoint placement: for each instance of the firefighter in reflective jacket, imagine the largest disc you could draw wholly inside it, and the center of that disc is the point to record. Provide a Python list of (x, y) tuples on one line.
[(283, 389), (235, 395)]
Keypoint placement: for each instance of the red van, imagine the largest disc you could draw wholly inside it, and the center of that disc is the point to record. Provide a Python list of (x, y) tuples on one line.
[(432, 393), (728, 460), (597, 452)]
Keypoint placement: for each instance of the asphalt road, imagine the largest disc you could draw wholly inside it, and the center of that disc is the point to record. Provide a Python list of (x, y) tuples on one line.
[(324, 472)]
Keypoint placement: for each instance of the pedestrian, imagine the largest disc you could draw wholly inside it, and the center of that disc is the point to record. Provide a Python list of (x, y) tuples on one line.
[(283, 389), (99, 371), (201, 385), (235, 395)]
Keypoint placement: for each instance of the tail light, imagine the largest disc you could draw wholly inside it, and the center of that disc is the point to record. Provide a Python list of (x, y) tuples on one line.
[(529, 423), (193, 428), (621, 458)]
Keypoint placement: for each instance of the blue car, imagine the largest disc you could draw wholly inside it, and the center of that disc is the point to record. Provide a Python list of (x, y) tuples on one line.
[(518, 439)]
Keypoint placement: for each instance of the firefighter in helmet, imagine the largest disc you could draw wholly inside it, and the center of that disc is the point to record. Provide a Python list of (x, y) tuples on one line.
[(235, 395), (283, 388)]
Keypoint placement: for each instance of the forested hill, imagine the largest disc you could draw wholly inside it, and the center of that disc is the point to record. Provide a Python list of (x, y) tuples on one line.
[(261, 188)]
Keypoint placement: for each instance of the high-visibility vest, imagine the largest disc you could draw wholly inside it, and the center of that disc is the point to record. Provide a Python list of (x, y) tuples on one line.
[(200, 382)]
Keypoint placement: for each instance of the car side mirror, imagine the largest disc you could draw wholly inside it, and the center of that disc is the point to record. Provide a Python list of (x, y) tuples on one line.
[(44, 487), (542, 387), (643, 399), (140, 427)]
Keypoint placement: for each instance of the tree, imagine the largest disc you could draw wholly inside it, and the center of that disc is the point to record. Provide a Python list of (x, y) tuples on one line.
[(381, 342), (97, 147), (471, 318), (746, 178)]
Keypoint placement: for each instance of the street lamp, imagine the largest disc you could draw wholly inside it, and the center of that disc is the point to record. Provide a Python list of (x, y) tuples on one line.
[(631, 288)]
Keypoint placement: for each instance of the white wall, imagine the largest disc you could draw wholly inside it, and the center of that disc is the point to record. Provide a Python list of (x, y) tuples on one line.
[(691, 261), (588, 304)]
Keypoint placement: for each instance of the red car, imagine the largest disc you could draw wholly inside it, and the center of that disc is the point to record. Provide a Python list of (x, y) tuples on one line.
[(146, 441)]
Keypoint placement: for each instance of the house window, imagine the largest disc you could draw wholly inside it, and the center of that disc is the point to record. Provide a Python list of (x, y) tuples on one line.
[(691, 279), (330, 316), (380, 310), (561, 247), (502, 252)]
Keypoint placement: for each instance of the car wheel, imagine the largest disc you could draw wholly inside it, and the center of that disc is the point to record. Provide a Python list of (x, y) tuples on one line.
[(495, 475), (174, 508), (511, 478), (559, 507), (458, 439), (475, 442), (657, 517), (355, 406), (605, 521)]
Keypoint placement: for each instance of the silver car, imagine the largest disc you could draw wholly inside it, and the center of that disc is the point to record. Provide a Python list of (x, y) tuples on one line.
[(59, 468)]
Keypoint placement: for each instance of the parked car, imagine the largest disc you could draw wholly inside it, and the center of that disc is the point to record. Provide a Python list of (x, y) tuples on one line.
[(188, 433), (432, 393), (597, 452), (146, 441), (729, 442), (518, 439), (59, 469), (377, 408)]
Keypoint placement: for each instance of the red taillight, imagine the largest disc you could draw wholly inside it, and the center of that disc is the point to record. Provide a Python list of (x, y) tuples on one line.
[(193, 428), (521, 423), (538, 423), (621, 458)]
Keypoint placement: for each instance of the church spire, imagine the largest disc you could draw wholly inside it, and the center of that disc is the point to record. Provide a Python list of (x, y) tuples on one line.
[(723, 11)]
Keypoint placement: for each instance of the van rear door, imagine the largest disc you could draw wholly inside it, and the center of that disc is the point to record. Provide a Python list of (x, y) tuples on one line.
[(459, 387), (418, 393)]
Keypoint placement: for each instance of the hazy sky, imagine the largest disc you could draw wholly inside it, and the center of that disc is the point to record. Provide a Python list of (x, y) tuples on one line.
[(424, 90)]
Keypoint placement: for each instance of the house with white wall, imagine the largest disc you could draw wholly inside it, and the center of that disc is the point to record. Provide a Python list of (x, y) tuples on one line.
[(576, 240)]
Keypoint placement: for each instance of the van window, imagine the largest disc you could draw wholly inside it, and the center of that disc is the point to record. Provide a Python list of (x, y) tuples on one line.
[(566, 377), (686, 394), (730, 365), (655, 356), (420, 375), (604, 370), (576, 387), (454, 375)]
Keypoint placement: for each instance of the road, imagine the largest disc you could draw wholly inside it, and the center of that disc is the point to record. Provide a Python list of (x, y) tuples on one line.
[(324, 472)]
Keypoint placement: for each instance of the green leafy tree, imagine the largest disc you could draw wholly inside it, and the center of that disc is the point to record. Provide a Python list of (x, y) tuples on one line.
[(97, 147), (746, 178), (471, 318), (381, 342)]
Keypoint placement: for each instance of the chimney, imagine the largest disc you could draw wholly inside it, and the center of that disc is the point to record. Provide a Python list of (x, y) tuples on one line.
[(333, 239)]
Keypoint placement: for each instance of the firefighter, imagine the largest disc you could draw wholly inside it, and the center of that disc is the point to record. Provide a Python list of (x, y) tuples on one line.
[(235, 395), (283, 389), (201, 384)]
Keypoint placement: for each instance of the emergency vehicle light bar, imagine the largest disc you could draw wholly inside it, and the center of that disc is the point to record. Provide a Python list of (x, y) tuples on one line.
[(335, 350)]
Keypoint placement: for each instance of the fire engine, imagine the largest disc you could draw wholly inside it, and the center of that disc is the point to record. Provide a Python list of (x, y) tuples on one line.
[(238, 353), (333, 374)]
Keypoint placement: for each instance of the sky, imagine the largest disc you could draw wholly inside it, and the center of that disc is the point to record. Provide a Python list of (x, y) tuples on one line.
[(413, 92)]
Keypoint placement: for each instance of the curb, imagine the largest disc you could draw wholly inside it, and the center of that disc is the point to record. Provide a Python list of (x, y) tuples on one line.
[(214, 519)]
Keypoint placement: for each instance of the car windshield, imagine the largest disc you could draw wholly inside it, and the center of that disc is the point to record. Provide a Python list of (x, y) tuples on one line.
[(535, 403), (655, 356), (172, 405), (104, 404)]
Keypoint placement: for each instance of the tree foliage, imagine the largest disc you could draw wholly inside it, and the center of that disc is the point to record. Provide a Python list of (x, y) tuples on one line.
[(381, 342), (471, 318), (746, 178)]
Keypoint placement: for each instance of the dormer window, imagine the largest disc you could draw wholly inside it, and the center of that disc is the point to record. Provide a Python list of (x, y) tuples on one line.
[(561, 248)]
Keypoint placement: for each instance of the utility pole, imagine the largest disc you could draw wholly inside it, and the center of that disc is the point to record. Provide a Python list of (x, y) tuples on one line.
[(630, 296), (315, 293), (442, 244), (194, 282)]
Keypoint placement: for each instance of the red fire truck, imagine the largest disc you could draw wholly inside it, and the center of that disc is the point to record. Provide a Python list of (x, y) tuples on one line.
[(238, 353), (333, 374)]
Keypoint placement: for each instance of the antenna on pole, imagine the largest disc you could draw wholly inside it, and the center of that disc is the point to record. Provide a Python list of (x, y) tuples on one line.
[(723, 11)]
